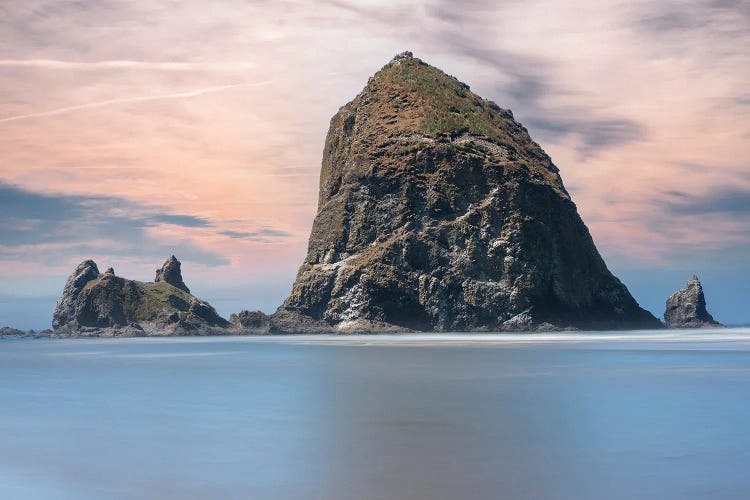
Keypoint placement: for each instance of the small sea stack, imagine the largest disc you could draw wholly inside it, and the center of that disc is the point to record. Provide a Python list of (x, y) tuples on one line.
[(686, 308)]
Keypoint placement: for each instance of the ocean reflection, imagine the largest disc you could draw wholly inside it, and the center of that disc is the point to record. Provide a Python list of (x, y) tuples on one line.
[(579, 416)]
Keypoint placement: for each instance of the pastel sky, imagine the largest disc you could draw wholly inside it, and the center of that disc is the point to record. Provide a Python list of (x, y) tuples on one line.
[(131, 130)]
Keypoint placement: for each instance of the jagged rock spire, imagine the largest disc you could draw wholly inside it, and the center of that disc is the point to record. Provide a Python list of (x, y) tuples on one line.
[(686, 308), (65, 307), (105, 304), (171, 273)]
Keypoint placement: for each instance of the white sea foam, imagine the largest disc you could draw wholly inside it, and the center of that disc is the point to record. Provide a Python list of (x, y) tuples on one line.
[(147, 355), (78, 353), (672, 337), (174, 354), (733, 336)]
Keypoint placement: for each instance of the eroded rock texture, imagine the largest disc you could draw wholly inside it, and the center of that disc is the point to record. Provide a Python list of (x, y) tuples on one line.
[(65, 309), (106, 304), (251, 322), (437, 211), (171, 273), (686, 308)]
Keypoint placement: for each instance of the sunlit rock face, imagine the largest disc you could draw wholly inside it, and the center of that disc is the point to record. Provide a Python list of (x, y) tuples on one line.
[(686, 308), (438, 212)]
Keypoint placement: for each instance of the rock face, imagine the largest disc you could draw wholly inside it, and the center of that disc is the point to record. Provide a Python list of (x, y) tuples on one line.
[(686, 308), (65, 309), (171, 273), (105, 304), (438, 212)]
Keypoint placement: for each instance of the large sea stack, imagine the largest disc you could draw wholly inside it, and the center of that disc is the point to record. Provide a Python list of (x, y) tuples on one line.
[(438, 212)]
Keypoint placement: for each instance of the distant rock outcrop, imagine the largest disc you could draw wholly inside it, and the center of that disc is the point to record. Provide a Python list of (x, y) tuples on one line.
[(686, 308), (7, 331), (105, 304), (171, 273), (251, 321), (438, 212)]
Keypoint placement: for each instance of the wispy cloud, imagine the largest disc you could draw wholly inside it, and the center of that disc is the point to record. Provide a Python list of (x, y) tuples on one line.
[(729, 18), (130, 100), (55, 64), (55, 226), (260, 234), (731, 201), (531, 85)]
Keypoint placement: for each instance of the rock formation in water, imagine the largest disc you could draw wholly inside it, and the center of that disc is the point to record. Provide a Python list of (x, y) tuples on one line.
[(7, 331), (438, 212), (686, 308), (171, 273), (256, 322), (65, 309), (96, 303)]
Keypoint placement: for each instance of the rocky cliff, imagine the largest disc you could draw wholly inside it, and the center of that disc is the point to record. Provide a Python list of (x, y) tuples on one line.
[(95, 303), (686, 308), (438, 212)]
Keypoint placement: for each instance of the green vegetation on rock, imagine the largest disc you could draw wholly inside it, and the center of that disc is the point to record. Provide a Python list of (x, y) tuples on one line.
[(437, 211), (93, 300), (448, 105)]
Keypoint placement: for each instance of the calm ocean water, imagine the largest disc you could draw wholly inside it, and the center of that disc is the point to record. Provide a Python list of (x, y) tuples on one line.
[(572, 416)]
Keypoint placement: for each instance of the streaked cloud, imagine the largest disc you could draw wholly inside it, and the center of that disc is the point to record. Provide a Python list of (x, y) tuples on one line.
[(53, 64), (260, 234), (722, 17), (731, 201), (53, 226), (130, 100)]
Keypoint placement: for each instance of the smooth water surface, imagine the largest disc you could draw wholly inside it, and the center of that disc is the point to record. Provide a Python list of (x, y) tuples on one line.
[(574, 416)]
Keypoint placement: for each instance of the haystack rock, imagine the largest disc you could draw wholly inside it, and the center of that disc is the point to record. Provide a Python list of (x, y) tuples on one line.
[(438, 212), (96, 303), (686, 308)]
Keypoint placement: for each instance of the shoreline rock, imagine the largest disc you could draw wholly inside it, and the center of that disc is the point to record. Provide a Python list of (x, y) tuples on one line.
[(8, 332), (103, 304), (251, 322)]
